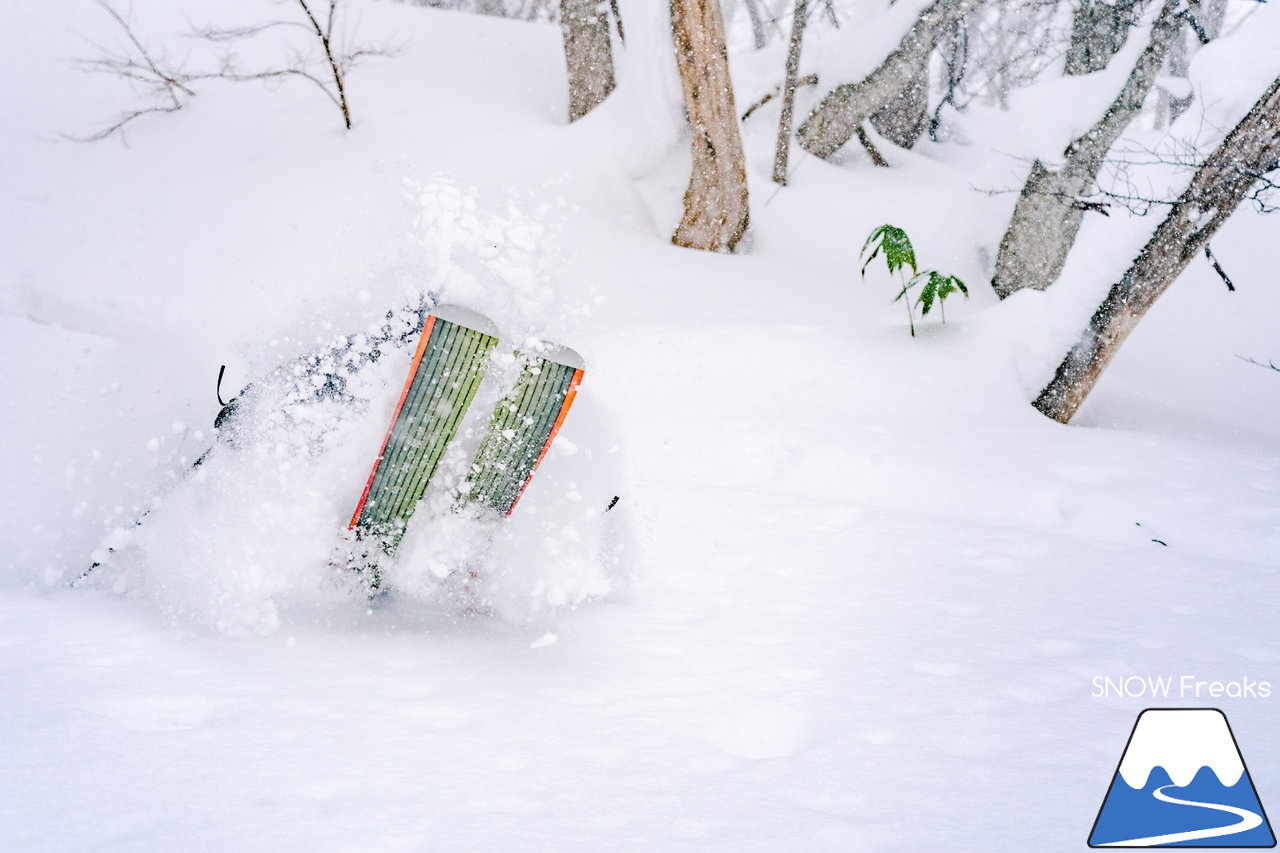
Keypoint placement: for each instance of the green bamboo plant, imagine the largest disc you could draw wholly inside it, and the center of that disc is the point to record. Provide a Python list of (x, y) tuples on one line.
[(899, 254)]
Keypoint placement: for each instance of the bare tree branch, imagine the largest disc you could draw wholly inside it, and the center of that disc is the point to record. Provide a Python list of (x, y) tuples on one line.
[(326, 65), (152, 73), (214, 34), (151, 66), (283, 73), (1217, 267), (808, 80), (1271, 364), (120, 123)]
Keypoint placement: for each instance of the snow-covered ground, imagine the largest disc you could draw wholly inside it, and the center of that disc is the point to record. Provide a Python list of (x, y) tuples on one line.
[(864, 587)]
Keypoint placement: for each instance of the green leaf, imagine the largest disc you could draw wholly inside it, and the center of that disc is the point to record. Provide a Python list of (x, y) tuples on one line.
[(871, 258), (897, 248), (898, 251), (875, 232), (941, 286), (927, 295)]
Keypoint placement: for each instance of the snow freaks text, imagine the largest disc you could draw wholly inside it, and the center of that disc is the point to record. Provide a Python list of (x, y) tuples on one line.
[(1177, 687)]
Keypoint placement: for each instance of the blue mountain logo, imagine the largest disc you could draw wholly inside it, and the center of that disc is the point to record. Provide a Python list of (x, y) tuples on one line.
[(1182, 782)]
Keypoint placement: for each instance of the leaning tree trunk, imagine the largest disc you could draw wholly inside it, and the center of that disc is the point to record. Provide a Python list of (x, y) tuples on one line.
[(584, 25), (1047, 216), (1251, 149), (840, 114), (903, 120), (715, 204), (1098, 31), (782, 151)]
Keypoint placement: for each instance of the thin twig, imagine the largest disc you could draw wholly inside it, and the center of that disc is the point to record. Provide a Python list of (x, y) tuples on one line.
[(1270, 364), (1217, 267), (154, 73), (140, 66), (119, 124), (236, 33), (809, 80)]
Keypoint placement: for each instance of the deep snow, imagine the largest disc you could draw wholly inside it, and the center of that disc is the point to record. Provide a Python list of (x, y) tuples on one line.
[(866, 586)]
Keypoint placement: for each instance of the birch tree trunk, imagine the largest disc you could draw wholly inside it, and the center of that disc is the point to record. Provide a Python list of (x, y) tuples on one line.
[(1251, 149), (715, 204), (840, 114), (783, 150), (588, 52), (1047, 217)]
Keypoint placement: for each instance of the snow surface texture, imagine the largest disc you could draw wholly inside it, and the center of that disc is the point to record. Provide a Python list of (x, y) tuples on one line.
[(871, 584)]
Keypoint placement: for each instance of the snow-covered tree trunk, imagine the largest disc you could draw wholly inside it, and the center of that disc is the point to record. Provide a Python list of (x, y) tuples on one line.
[(1047, 216), (1204, 20), (1170, 105), (903, 120), (840, 114), (1250, 150), (588, 52), (1098, 31), (783, 150), (1211, 14), (715, 204)]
